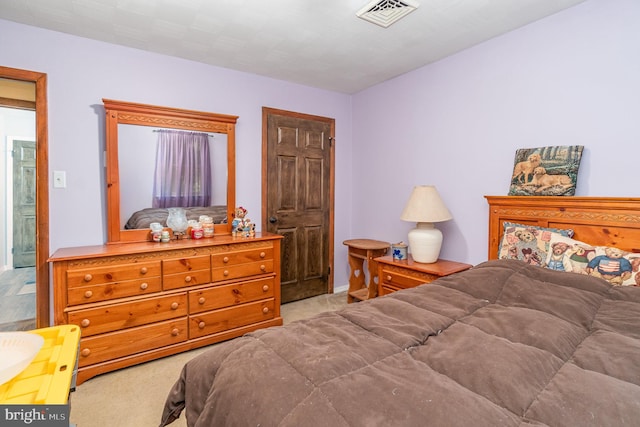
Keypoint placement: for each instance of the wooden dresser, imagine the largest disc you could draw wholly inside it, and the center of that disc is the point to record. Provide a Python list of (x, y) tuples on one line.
[(396, 275), (136, 302)]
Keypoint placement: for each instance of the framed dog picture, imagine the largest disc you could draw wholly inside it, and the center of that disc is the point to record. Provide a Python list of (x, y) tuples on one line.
[(546, 171)]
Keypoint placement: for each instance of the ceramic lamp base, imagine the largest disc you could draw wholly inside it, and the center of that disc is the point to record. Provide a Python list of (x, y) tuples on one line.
[(425, 242)]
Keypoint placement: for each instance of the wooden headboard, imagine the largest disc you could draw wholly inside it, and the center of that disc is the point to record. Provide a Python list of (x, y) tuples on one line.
[(599, 221)]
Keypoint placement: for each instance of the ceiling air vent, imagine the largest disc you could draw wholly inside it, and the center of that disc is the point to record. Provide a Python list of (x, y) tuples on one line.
[(386, 12)]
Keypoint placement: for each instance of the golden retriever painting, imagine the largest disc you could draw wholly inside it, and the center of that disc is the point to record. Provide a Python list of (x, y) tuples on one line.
[(542, 180), (546, 171), (523, 170)]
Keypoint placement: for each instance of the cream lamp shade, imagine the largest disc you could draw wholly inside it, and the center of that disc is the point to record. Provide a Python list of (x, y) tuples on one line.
[(425, 207)]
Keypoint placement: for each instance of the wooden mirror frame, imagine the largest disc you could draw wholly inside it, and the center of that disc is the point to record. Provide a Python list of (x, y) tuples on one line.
[(120, 112)]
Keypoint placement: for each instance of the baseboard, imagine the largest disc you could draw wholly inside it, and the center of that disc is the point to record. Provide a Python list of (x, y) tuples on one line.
[(341, 288)]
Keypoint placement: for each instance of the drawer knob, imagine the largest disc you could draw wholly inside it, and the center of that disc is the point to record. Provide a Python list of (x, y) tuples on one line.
[(262, 254), (85, 352), (201, 325), (265, 288), (143, 270), (225, 273), (88, 294), (175, 332), (144, 286), (174, 305), (201, 300), (265, 310), (263, 267), (225, 259), (88, 277), (85, 323), (187, 279), (388, 278)]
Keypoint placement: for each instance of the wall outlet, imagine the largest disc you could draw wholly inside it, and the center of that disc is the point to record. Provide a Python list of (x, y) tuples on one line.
[(59, 179)]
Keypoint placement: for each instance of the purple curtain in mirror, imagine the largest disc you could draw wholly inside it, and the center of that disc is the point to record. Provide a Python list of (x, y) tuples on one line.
[(183, 170)]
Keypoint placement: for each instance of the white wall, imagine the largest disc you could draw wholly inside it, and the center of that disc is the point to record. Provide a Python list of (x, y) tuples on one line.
[(569, 79), (81, 72)]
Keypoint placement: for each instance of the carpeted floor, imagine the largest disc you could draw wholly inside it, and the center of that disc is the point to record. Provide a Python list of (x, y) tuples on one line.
[(134, 397)]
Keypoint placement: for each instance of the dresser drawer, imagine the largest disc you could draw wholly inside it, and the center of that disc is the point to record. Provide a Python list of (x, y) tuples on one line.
[(183, 272), (242, 257), (228, 295), (398, 278), (112, 274), (185, 265), (108, 291), (100, 348), (229, 318), (181, 280), (242, 270), (386, 289), (129, 314)]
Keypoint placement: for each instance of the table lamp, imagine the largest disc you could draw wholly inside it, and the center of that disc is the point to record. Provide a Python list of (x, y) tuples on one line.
[(425, 207)]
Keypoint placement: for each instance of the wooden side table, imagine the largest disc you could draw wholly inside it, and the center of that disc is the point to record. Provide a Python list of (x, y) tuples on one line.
[(397, 275), (361, 250)]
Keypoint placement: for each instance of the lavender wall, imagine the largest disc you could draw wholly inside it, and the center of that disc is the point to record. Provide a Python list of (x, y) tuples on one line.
[(571, 78), (81, 72)]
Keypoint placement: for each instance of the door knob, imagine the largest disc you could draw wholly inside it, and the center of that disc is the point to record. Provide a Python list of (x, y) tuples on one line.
[(273, 220)]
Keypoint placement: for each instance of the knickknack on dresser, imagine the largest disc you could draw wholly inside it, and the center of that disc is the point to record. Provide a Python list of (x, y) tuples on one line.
[(136, 300)]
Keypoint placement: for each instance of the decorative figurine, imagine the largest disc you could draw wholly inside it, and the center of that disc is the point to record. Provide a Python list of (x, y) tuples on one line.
[(241, 226), (237, 225)]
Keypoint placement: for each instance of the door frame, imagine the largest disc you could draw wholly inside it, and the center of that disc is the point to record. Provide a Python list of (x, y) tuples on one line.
[(42, 189), (266, 111)]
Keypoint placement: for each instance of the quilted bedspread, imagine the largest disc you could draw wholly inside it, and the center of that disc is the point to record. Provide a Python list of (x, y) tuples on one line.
[(502, 344), (143, 218)]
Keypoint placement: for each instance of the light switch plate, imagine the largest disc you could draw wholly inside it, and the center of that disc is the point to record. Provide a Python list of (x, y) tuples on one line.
[(59, 179)]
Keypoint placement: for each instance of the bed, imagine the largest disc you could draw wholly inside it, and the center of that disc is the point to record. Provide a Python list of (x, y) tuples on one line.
[(504, 343), (144, 217)]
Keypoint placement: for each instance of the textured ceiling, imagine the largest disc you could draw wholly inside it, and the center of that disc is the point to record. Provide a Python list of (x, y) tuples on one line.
[(319, 43)]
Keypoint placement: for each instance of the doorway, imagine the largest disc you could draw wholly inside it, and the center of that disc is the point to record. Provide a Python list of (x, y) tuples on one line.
[(17, 277), (298, 198), (38, 180)]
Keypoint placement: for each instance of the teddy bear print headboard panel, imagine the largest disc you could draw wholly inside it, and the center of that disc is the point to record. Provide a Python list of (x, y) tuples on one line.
[(600, 221)]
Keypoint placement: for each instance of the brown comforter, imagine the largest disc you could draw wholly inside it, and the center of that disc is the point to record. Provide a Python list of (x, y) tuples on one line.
[(501, 344)]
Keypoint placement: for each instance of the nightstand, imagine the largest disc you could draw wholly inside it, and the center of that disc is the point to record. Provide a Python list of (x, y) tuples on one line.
[(396, 275)]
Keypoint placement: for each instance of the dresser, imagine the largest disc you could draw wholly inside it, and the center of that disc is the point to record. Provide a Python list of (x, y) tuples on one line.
[(396, 275), (136, 302)]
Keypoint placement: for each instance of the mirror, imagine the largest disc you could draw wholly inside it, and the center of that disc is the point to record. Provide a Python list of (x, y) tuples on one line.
[(131, 136)]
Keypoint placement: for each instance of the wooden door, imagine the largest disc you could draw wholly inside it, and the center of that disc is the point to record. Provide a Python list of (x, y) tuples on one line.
[(298, 198), (24, 203)]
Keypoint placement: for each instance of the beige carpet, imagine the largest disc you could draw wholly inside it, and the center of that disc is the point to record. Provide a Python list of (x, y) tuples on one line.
[(134, 397)]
